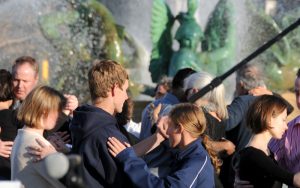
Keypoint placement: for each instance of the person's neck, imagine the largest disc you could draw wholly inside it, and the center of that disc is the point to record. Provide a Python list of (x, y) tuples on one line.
[(215, 115), (201, 102), (39, 131), (261, 141), (105, 105), (5, 105), (186, 140)]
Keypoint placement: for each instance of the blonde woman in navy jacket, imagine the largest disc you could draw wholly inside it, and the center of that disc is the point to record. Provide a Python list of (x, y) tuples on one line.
[(192, 165)]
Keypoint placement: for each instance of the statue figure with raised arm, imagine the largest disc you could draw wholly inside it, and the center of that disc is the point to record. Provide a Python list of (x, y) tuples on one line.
[(216, 53)]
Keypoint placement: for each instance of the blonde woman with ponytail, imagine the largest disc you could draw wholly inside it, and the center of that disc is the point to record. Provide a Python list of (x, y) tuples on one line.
[(191, 163)]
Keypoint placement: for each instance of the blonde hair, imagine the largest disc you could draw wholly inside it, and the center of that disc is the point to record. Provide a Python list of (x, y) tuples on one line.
[(103, 76), (215, 97), (40, 101), (192, 119)]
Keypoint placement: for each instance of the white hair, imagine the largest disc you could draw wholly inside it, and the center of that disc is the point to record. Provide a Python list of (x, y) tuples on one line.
[(215, 97)]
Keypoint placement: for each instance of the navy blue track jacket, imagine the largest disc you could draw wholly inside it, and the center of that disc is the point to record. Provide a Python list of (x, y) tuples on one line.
[(191, 168)]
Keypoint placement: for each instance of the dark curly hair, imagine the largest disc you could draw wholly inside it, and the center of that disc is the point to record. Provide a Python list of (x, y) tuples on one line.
[(6, 85)]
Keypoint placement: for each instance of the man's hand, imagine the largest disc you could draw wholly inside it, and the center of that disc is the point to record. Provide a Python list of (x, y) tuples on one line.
[(229, 146), (260, 91), (72, 104), (41, 151), (5, 147), (59, 141)]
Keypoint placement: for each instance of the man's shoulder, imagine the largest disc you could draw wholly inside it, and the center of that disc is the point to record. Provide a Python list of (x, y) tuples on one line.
[(7, 115), (88, 108), (246, 97), (92, 122), (296, 120), (92, 113), (169, 98), (243, 100)]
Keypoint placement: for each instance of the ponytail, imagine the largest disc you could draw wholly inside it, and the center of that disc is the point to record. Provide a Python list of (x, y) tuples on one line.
[(217, 163), (193, 120)]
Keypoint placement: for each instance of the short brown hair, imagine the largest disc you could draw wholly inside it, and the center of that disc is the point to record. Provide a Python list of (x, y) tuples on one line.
[(6, 85), (103, 76), (23, 60), (40, 101), (262, 110)]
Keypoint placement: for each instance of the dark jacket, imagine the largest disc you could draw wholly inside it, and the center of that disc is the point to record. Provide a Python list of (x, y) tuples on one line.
[(191, 168), (9, 127), (236, 127), (90, 129)]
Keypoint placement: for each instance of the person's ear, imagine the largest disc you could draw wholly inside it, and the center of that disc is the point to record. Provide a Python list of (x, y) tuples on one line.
[(242, 85), (194, 90), (113, 90), (36, 79), (180, 129), (270, 123), (45, 114)]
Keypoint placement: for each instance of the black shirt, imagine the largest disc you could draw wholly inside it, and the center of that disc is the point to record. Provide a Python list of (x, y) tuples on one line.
[(261, 170), (215, 129), (9, 127)]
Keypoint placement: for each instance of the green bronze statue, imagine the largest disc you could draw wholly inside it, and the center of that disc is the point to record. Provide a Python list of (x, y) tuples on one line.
[(85, 32), (217, 42)]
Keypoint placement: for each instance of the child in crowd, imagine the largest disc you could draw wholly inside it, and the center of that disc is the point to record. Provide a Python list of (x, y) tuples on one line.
[(38, 112), (127, 126), (255, 163), (192, 166)]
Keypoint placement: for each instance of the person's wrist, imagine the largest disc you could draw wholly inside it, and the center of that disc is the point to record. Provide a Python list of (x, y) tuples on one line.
[(160, 137)]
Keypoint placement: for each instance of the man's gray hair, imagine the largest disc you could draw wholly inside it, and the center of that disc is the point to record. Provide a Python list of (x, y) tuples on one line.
[(250, 76)]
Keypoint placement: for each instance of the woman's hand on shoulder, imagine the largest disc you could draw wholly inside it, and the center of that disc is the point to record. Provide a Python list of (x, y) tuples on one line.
[(115, 146), (41, 151)]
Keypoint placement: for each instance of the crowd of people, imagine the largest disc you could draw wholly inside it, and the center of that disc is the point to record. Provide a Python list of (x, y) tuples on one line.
[(246, 143)]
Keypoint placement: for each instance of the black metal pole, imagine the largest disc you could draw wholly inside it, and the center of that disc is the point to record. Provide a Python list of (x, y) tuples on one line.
[(218, 80)]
